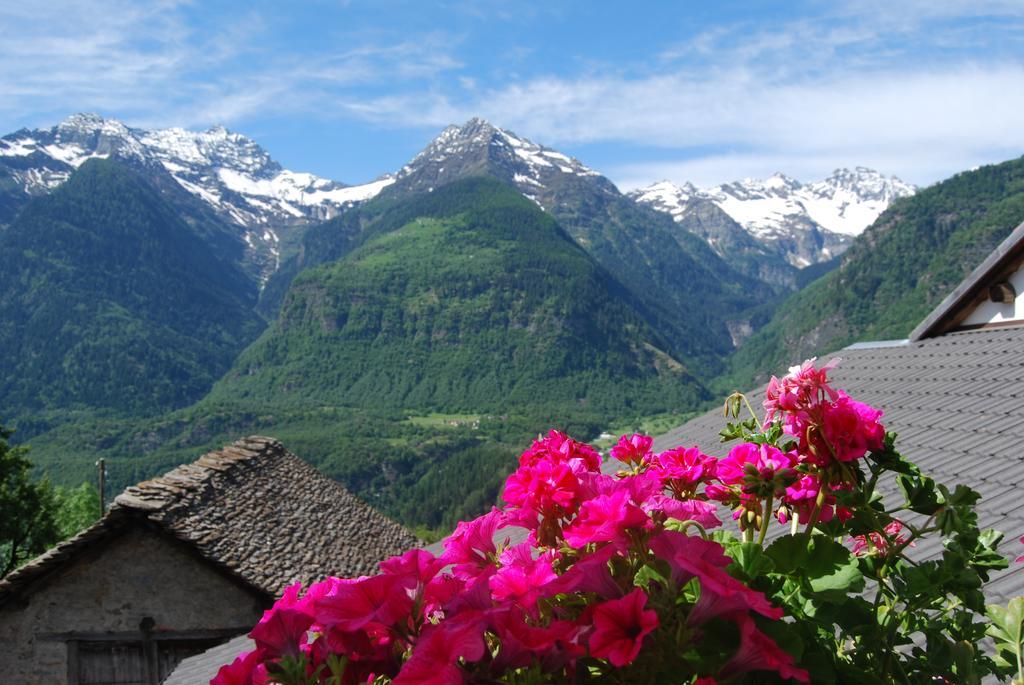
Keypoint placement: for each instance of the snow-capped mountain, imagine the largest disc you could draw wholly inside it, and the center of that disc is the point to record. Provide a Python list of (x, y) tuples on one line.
[(231, 173), (784, 211), (475, 146)]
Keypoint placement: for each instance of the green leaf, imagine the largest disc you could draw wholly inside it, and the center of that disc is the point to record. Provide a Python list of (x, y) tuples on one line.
[(749, 561), (920, 494)]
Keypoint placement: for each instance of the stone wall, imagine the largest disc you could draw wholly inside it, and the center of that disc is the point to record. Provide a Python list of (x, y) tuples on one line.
[(139, 573)]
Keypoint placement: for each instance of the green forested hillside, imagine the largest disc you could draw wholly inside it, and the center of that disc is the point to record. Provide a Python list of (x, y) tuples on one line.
[(894, 274), (478, 303), (455, 326), (110, 302)]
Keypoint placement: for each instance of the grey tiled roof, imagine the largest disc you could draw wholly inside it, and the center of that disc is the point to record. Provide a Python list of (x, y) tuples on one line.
[(253, 509), (201, 668), (957, 403)]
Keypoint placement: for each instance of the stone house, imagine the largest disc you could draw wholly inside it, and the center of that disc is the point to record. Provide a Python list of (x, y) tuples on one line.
[(181, 563)]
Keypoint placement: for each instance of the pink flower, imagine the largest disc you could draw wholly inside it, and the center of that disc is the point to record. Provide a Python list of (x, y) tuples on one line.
[(683, 469), (351, 605), (521, 578), (800, 498), (758, 652), (284, 627), (803, 388), (560, 448), (520, 641), (759, 469), (720, 593), (545, 487), (632, 450), (851, 429), (471, 546), (1021, 557), (590, 574), (704, 513), (435, 659), (246, 669), (606, 518), (620, 626), (880, 544)]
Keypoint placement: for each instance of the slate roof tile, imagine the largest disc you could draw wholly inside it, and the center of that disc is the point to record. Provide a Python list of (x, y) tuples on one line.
[(253, 507)]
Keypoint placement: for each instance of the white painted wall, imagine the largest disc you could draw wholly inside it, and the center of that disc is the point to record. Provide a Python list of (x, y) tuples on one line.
[(994, 312)]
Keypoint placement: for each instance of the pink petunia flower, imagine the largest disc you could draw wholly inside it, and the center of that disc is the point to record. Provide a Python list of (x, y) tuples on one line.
[(803, 388), (471, 547), (632, 450), (560, 448), (284, 627), (758, 652), (590, 574), (435, 659), (683, 469), (620, 626), (606, 518), (880, 544), (246, 669), (521, 578), (720, 593), (351, 605)]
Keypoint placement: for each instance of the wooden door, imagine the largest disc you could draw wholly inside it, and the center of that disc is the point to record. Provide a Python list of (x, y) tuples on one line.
[(112, 663)]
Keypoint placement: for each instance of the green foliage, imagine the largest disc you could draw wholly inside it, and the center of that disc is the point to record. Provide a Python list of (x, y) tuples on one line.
[(894, 274), (1007, 629), (27, 522), (110, 301), (881, 617), (75, 509)]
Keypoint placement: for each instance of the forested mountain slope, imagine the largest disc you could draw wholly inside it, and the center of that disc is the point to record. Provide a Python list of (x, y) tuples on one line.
[(109, 301), (894, 274)]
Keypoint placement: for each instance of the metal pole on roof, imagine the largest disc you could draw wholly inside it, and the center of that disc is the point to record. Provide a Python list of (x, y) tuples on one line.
[(101, 465)]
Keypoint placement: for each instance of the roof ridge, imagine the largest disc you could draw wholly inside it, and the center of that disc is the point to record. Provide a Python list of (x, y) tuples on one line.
[(164, 491)]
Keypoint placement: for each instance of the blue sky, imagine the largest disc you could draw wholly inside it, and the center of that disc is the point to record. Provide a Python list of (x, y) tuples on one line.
[(701, 91)]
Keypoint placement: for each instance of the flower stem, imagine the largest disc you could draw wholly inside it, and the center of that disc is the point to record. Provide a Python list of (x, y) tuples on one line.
[(765, 518), (819, 502)]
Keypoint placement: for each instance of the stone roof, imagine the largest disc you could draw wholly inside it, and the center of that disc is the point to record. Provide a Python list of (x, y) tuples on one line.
[(957, 403), (253, 509)]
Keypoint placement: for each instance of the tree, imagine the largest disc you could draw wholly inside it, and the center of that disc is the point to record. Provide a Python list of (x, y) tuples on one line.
[(28, 524)]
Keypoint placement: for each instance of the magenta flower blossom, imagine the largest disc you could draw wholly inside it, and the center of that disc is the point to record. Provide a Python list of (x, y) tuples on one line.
[(880, 544), (720, 593), (590, 573), (351, 605), (521, 578), (546, 488), (800, 499), (522, 642), (851, 429), (802, 389), (758, 652), (704, 513), (606, 518), (435, 659), (246, 669), (560, 448), (751, 465), (620, 626), (471, 546), (284, 627), (683, 469), (632, 450)]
